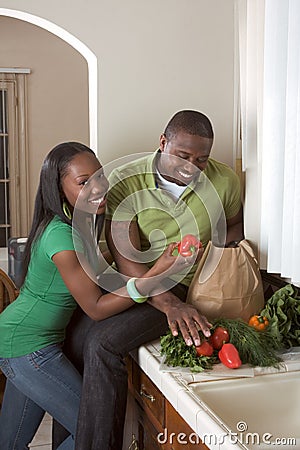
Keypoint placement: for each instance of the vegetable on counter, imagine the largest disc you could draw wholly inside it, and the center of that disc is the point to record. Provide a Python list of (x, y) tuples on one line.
[(204, 349), (254, 347), (257, 348), (283, 312), (177, 353), (258, 322), (219, 337), (188, 245), (229, 356)]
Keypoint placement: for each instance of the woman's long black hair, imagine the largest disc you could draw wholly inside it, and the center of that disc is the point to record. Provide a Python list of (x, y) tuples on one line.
[(49, 197)]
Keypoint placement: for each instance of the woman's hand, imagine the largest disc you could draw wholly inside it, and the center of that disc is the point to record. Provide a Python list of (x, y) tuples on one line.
[(168, 264)]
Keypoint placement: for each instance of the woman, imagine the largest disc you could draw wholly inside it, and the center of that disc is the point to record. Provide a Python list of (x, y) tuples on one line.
[(57, 278)]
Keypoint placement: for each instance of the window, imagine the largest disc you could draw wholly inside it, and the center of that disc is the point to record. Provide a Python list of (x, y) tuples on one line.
[(270, 108), (4, 176), (13, 157), (5, 221)]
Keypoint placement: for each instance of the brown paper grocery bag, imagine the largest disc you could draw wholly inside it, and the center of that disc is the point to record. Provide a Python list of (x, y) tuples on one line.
[(227, 283)]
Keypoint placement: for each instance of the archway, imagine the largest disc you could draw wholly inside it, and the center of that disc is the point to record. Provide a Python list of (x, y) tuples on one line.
[(83, 50)]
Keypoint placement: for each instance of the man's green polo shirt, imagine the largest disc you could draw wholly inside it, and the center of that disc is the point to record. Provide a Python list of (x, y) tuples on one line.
[(202, 209)]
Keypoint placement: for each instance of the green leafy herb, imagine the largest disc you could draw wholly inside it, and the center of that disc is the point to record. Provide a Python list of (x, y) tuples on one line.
[(177, 353), (283, 312)]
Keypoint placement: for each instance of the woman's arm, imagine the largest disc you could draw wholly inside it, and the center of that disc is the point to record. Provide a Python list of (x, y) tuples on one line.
[(89, 295)]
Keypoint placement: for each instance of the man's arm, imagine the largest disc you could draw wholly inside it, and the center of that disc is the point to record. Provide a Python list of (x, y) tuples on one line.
[(123, 240), (235, 227)]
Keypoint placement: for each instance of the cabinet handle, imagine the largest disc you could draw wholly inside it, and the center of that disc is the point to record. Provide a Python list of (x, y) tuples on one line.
[(143, 393), (134, 444)]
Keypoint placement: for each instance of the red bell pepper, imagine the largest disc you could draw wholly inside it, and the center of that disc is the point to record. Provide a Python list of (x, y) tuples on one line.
[(229, 356), (188, 245), (219, 337)]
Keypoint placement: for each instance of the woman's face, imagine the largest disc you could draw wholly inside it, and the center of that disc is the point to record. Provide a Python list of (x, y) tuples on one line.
[(85, 185)]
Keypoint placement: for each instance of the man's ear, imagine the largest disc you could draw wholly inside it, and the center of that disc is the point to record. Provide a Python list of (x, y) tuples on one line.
[(162, 142)]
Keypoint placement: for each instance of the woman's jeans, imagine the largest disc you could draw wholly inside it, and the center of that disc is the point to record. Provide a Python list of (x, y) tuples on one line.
[(44, 380)]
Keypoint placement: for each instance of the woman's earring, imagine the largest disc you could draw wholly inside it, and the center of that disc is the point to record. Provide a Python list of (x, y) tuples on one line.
[(66, 210)]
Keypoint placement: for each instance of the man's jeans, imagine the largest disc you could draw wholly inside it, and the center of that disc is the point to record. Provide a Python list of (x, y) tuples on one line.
[(99, 348), (44, 380)]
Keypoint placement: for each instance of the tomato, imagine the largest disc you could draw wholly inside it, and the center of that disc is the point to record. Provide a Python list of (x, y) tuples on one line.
[(229, 356), (205, 349), (219, 337), (188, 245)]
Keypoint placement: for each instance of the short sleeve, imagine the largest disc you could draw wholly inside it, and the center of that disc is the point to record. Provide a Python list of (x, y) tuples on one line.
[(60, 238), (120, 206), (227, 185), (233, 201)]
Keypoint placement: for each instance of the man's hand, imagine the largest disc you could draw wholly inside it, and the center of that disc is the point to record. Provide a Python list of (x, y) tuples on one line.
[(182, 316)]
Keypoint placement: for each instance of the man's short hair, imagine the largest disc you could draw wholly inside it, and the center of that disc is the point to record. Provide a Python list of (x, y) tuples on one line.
[(190, 122)]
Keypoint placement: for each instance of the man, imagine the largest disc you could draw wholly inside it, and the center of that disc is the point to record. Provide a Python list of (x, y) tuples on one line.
[(178, 190), (155, 200)]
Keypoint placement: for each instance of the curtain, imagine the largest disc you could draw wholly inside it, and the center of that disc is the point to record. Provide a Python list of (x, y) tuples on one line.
[(271, 118)]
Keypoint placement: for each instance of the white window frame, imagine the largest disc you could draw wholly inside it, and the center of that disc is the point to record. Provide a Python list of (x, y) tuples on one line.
[(14, 82)]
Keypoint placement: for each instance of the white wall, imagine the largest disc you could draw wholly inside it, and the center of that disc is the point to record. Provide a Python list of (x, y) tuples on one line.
[(154, 58)]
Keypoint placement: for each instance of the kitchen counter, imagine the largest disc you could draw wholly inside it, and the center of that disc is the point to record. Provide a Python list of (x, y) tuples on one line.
[(190, 395)]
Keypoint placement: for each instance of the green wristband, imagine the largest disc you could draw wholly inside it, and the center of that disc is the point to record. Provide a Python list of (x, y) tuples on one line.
[(133, 292)]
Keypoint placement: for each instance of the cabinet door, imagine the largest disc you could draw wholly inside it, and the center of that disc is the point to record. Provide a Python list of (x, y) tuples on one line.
[(148, 396), (147, 436), (130, 437), (159, 426), (179, 434)]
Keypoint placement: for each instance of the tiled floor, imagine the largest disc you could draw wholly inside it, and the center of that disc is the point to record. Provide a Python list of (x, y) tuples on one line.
[(42, 439)]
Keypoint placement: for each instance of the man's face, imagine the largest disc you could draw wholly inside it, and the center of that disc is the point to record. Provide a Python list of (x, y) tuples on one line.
[(183, 157)]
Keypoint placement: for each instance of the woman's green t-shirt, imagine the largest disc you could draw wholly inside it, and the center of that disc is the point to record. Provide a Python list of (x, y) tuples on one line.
[(41, 312)]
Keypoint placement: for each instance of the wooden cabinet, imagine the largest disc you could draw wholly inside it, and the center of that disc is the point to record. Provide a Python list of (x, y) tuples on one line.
[(184, 436), (156, 424)]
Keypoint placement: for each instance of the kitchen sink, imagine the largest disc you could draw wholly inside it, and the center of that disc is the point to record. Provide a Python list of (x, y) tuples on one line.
[(259, 409)]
